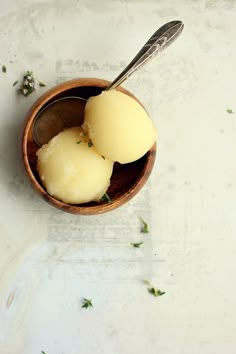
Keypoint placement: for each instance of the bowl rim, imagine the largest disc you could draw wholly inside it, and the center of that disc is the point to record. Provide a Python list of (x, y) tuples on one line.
[(74, 208)]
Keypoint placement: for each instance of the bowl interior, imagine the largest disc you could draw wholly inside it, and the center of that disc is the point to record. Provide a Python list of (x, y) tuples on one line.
[(126, 180)]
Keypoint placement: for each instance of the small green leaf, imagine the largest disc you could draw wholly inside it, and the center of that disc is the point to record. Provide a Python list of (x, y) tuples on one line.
[(137, 245), (156, 292), (28, 73), (160, 293), (229, 111), (87, 303), (152, 291), (103, 157), (4, 69), (146, 282), (78, 142), (43, 352), (90, 143), (15, 83), (106, 198), (41, 84), (144, 226)]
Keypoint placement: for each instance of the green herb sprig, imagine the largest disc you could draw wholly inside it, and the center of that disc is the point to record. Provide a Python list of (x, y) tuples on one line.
[(4, 69), (30, 84), (87, 303), (156, 292), (144, 227), (229, 110), (90, 143), (136, 245), (152, 290), (106, 198)]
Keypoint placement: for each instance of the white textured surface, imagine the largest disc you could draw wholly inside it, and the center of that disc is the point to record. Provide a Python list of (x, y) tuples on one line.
[(50, 260)]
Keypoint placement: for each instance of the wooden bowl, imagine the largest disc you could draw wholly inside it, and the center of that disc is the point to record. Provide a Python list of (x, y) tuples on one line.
[(126, 180)]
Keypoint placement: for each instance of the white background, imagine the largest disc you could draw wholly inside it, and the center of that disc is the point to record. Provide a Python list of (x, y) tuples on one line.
[(50, 260)]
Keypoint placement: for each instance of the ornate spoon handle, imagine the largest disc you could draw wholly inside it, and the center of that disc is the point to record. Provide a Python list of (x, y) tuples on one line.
[(160, 40)]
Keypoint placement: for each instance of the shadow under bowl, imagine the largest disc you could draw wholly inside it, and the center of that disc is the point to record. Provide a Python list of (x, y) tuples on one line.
[(127, 179)]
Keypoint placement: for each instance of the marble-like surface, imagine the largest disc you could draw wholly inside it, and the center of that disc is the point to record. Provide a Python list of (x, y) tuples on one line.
[(50, 260)]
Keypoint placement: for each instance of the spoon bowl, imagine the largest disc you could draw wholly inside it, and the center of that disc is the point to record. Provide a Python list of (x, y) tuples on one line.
[(58, 115)]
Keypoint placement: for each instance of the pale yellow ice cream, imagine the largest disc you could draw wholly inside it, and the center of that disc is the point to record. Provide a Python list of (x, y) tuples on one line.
[(118, 126), (72, 170)]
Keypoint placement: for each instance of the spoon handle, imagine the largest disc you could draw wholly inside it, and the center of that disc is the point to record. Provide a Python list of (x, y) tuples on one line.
[(160, 40)]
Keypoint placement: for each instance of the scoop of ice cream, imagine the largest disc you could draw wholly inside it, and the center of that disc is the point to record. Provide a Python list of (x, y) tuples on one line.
[(118, 126), (72, 170)]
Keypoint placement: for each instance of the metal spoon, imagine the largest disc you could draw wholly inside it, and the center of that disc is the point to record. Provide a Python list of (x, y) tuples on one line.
[(63, 113)]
